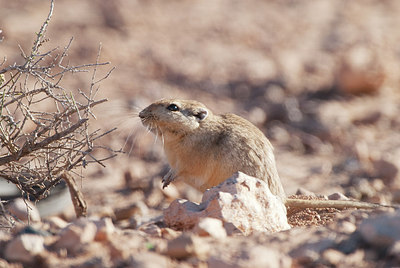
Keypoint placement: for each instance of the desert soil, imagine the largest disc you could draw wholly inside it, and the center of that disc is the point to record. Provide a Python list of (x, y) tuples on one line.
[(320, 78)]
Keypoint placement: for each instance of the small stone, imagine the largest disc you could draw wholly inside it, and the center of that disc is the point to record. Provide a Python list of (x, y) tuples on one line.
[(365, 188), (56, 223), (302, 191), (396, 196), (394, 250), (149, 260), (257, 116), (262, 256), (360, 71), (76, 234), (105, 229), (24, 210), (187, 245), (382, 231), (357, 258), (337, 196), (210, 227), (169, 233), (24, 248), (333, 256), (151, 229), (385, 169), (346, 227)]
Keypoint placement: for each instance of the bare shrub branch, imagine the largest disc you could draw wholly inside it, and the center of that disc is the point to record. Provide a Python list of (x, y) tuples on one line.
[(44, 128)]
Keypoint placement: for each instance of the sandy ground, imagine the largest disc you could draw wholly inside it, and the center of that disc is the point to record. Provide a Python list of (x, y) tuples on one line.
[(319, 78)]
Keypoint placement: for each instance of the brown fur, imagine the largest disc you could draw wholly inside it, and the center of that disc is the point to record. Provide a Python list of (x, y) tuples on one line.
[(206, 152)]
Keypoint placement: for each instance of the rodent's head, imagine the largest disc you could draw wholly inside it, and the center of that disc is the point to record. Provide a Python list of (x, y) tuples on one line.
[(176, 117)]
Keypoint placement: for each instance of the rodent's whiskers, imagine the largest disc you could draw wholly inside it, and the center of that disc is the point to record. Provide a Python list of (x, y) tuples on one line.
[(126, 141)]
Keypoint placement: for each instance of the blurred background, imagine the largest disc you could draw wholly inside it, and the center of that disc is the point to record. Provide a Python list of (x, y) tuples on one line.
[(320, 78)]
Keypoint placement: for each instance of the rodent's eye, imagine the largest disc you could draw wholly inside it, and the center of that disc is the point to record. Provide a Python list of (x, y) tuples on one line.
[(173, 107)]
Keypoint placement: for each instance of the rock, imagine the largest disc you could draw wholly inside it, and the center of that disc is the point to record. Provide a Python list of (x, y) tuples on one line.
[(105, 229), (262, 256), (210, 227), (333, 257), (385, 170), (137, 208), (168, 233), (360, 71), (76, 234), (56, 223), (394, 250), (24, 248), (242, 203), (257, 116), (24, 210), (151, 229), (365, 187), (302, 191), (187, 245), (345, 227), (396, 196), (382, 231), (149, 260), (255, 256), (337, 196)]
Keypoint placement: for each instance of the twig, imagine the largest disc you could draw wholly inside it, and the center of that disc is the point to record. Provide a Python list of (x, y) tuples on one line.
[(77, 198)]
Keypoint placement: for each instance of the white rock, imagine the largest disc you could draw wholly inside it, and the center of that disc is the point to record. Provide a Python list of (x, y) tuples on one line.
[(24, 248), (24, 210), (210, 227), (242, 202)]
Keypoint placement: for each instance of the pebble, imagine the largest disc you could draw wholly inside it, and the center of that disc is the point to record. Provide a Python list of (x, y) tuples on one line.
[(76, 234), (24, 248), (382, 231), (105, 229), (334, 257), (210, 227), (337, 196), (24, 210), (187, 245)]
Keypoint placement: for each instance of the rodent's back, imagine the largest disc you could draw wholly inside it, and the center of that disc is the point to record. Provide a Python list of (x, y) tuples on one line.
[(241, 146)]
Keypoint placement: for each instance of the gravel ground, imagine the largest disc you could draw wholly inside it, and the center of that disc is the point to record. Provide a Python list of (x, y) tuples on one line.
[(319, 78)]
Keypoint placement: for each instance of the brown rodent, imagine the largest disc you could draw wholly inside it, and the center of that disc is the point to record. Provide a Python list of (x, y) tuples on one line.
[(205, 149)]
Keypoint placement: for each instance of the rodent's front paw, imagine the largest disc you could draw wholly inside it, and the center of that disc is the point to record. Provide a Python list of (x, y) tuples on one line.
[(168, 178)]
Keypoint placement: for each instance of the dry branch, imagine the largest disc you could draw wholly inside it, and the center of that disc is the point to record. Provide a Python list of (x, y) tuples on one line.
[(44, 128)]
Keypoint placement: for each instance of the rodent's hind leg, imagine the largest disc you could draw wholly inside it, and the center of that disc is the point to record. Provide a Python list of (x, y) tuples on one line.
[(168, 178)]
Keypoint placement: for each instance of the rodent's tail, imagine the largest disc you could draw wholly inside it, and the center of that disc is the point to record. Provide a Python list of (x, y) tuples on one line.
[(339, 204)]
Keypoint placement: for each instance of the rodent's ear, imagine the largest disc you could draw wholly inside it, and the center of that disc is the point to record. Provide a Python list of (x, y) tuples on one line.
[(201, 114)]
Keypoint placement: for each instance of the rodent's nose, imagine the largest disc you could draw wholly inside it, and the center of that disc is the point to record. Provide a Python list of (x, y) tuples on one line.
[(141, 114)]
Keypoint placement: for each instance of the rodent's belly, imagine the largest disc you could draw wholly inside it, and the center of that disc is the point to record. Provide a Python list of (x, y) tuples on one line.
[(205, 178)]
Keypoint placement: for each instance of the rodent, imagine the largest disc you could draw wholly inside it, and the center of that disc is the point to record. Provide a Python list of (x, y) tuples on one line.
[(204, 149)]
